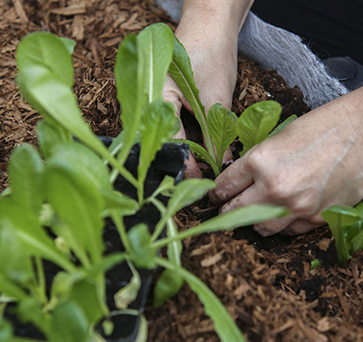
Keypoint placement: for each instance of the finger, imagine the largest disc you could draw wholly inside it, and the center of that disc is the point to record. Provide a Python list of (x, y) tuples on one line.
[(253, 195), (228, 157), (192, 171), (300, 227), (231, 182)]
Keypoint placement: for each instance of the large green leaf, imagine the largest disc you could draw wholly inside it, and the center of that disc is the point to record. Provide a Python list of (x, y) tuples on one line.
[(129, 74), (238, 218), (69, 324), (256, 122), (85, 160), (221, 124), (14, 262), (47, 87), (33, 238), (26, 178), (6, 331), (159, 124), (225, 326), (181, 72), (339, 218), (156, 43), (43, 49), (79, 204), (11, 289)]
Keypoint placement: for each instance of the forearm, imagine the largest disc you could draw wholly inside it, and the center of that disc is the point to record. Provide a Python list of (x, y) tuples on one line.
[(213, 20)]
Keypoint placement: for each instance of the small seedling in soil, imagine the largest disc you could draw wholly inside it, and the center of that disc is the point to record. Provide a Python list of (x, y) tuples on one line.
[(221, 126), (346, 225), (60, 201), (314, 264)]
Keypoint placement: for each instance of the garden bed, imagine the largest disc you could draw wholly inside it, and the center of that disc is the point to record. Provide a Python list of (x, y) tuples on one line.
[(265, 283)]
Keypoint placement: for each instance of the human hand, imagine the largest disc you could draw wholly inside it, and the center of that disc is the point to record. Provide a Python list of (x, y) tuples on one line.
[(312, 164)]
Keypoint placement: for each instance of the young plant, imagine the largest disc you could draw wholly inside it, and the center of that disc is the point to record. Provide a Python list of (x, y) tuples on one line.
[(56, 209), (221, 126), (346, 225)]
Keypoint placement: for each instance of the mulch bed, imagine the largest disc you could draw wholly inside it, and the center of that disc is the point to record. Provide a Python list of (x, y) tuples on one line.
[(265, 283)]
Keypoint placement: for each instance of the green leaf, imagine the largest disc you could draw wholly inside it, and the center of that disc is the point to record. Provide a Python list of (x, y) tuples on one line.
[(221, 124), (49, 135), (125, 296), (45, 50), (359, 208), (14, 263), (85, 160), (69, 44), (240, 217), (79, 204), (159, 124), (338, 218), (142, 252), (129, 74), (6, 330), (33, 238), (166, 187), (116, 200), (225, 326), (283, 124), (69, 324), (201, 153), (46, 85), (183, 196), (167, 286), (156, 43), (357, 242), (26, 178), (314, 264), (181, 71), (256, 122)]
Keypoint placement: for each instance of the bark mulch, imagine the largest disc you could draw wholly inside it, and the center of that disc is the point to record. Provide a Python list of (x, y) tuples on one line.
[(265, 283)]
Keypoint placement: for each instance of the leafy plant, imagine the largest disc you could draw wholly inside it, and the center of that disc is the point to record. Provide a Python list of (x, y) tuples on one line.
[(346, 224), (221, 126), (59, 200)]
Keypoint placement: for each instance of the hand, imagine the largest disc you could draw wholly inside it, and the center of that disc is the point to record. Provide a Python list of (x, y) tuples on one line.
[(211, 42), (312, 164)]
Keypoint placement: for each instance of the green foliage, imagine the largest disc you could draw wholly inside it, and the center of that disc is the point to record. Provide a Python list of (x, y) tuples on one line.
[(56, 209), (283, 124), (346, 224), (256, 122)]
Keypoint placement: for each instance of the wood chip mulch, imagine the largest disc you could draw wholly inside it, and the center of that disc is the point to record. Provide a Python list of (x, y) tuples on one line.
[(265, 283)]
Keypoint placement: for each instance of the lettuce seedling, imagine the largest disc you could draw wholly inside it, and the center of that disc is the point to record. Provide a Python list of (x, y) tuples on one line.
[(346, 225), (57, 206)]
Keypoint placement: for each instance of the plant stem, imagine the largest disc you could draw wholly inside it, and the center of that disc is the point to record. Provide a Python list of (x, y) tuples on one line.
[(41, 279), (121, 229), (160, 226)]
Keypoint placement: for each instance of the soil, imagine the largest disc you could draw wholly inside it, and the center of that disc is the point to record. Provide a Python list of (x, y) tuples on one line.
[(265, 283)]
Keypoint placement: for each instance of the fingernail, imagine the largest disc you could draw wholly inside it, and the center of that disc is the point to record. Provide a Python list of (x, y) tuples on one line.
[(228, 162), (260, 230)]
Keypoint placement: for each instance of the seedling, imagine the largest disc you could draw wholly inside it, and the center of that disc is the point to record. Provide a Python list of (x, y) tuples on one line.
[(58, 202), (346, 224), (221, 126)]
